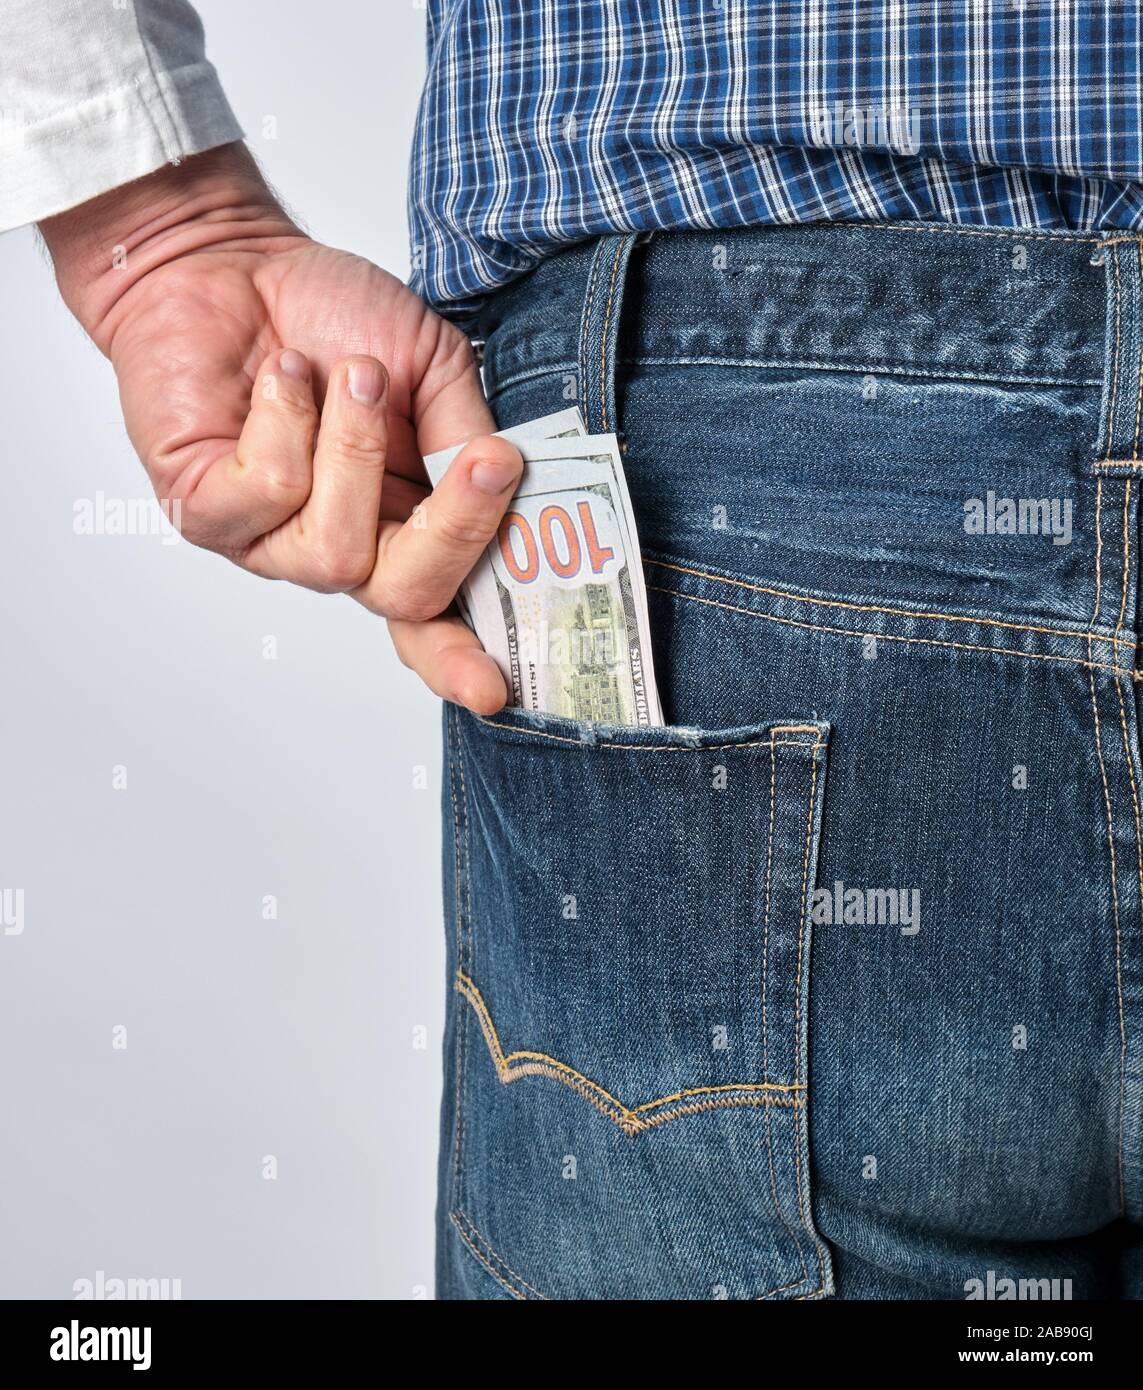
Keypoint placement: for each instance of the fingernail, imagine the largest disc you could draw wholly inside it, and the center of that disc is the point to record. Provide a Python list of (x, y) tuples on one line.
[(493, 476), (365, 381), (294, 364)]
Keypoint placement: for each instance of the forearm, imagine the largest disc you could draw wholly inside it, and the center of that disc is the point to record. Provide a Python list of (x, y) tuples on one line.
[(213, 201)]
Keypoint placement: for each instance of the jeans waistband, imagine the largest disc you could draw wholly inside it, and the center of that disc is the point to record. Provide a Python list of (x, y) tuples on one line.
[(906, 298)]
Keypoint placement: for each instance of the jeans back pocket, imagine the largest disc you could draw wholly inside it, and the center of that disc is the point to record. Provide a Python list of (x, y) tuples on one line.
[(625, 1110)]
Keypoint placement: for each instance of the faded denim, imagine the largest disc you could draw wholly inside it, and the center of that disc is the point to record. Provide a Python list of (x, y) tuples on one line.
[(670, 1070)]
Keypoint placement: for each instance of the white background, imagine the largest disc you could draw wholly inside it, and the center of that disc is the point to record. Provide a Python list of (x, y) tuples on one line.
[(245, 777)]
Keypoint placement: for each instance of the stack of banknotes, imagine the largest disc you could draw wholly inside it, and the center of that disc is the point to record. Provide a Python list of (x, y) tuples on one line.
[(558, 599)]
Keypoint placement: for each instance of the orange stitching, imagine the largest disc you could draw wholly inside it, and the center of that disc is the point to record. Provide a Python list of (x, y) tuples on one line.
[(1114, 358), (784, 1287), (893, 637), (766, 922), (661, 747), (714, 1090), (1139, 869), (516, 1294), (802, 921), (724, 1103), (574, 1082), (603, 344), (1106, 465), (585, 320), (514, 1065), (455, 748), (470, 990), (766, 1035), (1126, 548), (875, 608), (1134, 787), (1098, 551), (456, 1217), (803, 1207), (629, 1121), (1115, 915)]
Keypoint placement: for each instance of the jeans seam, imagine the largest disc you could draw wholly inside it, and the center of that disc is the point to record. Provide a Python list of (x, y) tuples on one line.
[(923, 613), (1114, 875), (460, 1220), (1118, 296), (1127, 754), (458, 908), (1133, 785), (934, 372), (605, 745), (582, 368), (804, 1210), (766, 921), (1098, 553), (456, 1217), (464, 925), (1126, 550), (766, 1038), (938, 372), (802, 924), (1013, 234), (1089, 664), (603, 347)]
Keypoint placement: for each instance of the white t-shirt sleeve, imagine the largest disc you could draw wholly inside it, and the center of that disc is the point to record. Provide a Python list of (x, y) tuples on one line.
[(95, 93)]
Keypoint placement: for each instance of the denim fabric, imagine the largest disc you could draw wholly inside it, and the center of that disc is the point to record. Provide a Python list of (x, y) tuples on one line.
[(832, 987)]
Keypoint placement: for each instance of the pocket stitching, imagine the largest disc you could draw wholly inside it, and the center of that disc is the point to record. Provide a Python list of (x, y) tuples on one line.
[(607, 745), (630, 1119), (470, 1237), (459, 1220), (778, 1207), (456, 769), (804, 1210)]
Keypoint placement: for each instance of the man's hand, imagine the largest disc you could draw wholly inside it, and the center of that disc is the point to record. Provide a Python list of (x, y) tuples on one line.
[(281, 393)]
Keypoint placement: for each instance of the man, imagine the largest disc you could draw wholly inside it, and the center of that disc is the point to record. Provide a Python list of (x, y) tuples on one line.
[(832, 986)]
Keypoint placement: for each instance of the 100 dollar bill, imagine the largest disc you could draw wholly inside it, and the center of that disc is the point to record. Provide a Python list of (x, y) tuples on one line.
[(558, 599)]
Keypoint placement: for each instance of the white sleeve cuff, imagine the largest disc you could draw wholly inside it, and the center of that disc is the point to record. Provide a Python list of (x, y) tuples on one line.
[(108, 140)]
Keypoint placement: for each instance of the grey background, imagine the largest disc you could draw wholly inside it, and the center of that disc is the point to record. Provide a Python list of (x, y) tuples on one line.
[(245, 777)]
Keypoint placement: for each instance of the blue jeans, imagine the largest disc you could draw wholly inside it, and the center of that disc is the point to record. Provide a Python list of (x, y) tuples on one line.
[(834, 985)]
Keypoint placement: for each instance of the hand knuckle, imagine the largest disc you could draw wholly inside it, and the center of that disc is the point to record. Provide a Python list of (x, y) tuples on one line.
[(400, 601), (300, 410), (280, 486), (352, 446), (339, 567)]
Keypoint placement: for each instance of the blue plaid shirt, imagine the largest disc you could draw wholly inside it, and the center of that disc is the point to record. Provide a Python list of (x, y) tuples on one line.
[(544, 122)]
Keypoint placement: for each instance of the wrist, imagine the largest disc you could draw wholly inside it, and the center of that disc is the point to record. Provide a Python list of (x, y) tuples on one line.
[(102, 249)]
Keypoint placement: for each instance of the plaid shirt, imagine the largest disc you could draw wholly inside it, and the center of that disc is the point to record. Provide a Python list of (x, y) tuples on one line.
[(544, 122)]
